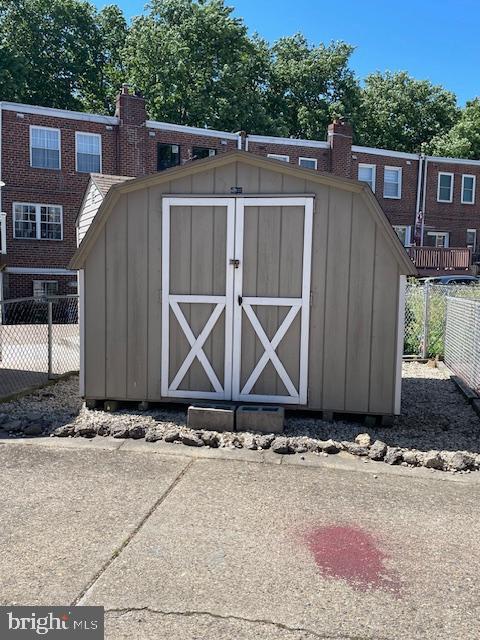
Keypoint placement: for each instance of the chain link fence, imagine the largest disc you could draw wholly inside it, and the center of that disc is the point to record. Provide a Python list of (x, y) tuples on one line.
[(39, 340), (462, 340), (425, 316)]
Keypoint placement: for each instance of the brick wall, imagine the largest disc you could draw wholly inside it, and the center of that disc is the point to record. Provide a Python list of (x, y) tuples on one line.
[(402, 211), (453, 217), (293, 151)]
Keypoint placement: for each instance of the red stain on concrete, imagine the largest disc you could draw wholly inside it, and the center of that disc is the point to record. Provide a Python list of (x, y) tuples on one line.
[(352, 554)]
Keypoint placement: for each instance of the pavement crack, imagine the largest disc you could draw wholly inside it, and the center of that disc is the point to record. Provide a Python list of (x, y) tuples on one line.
[(89, 586), (218, 616)]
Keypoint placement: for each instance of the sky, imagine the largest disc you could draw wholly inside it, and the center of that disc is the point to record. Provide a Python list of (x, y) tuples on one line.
[(436, 40)]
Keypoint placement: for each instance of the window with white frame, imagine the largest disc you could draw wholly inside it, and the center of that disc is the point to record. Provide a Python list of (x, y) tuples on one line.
[(275, 156), (88, 152), (308, 163), (404, 233), (45, 288), (437, 239), (367, 173), (37, 221), (445, 187), (392, 182), (468, 189), (472, 239), (44, 148)]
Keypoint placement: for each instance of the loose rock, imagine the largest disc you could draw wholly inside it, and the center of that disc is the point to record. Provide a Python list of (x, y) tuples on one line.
[(265, 441), (192, 440), (85, 430), (281, 445), (394, 455), (153, 435), (329, 446), (171, 435), (410, 457), (355, 449), (433, 460), (64, 431), (363, 439), (136, 432), (377, 450), (210, 439), (120, 431)]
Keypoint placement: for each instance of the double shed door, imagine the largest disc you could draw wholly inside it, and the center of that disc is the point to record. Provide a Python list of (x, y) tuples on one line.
[(236, 298)]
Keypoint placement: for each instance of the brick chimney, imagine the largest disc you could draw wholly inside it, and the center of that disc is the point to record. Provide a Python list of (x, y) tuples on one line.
[(340, 141), (132, 133)]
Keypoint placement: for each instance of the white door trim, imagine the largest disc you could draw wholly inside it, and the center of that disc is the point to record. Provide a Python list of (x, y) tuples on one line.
[(222, 303), (301, 304)]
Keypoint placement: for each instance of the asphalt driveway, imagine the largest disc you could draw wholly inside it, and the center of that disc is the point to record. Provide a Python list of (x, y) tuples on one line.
[(180, 545)]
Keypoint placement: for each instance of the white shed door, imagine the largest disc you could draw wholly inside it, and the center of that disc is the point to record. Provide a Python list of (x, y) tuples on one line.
[(236, 298)]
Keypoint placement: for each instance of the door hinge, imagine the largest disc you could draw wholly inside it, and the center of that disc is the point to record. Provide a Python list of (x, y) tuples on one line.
[(235, 262)]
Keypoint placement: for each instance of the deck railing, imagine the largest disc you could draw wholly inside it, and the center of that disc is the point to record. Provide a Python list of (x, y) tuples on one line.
[(441, 258)]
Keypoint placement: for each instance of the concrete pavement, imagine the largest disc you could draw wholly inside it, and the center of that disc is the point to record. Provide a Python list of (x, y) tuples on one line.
[(180, 543)]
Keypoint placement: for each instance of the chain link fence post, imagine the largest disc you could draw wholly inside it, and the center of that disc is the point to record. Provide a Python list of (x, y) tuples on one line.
[(426, 319), (50, 338)]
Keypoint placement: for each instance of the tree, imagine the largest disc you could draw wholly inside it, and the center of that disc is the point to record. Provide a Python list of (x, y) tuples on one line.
[(401, 113), (463, 139), (111, 33), (310, 85), (53, 44), (195, 64)]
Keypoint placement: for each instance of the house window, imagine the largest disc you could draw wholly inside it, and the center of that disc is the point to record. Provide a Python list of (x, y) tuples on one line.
[(37, 221), (88, 151), (366, 173), (404, 233), (445, 187), (437, 239), (392, 182), (308, 163), (45, 148), (45, 288), (168, 155), (275, 156), (472, 239), (202, 152), (468, 189)]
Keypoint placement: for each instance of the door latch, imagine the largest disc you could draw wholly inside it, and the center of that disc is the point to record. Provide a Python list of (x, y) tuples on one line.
[(234, 262), (240, 300)]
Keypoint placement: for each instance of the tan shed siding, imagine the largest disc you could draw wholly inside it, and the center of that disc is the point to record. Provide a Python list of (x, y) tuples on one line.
[(318, 288), (362, 254), (384, 329), (336, 307), (137, 294), (93, 200), (117, 263), (154, 285), (95, 310)]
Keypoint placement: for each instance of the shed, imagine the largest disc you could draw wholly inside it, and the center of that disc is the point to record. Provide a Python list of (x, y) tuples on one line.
[(244, 279)]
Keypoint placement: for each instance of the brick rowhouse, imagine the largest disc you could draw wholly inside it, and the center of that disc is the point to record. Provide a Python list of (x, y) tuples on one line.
[(430, 201)]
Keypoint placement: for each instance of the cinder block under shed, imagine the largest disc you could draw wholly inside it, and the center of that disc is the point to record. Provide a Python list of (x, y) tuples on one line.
[(214, 417), (258, 418)]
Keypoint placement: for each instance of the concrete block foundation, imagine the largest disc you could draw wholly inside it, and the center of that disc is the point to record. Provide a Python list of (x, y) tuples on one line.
[(213, 417), (258, 418)]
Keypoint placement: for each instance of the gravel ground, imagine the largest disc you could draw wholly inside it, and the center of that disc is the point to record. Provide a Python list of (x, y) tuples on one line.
[(435, 418)]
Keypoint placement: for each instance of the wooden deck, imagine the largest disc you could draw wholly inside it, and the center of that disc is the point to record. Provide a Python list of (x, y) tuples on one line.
[(430, 260)]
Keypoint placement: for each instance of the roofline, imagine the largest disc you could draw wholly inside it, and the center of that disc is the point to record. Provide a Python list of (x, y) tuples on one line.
[(58, 113), (199, 131), (385, 152), (198, 166), (445, 160), (321, 144)]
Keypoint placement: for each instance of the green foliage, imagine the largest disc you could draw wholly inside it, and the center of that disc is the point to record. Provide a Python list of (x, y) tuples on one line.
[(463, 139), (196, 65), (309, 86), (401, 113)]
